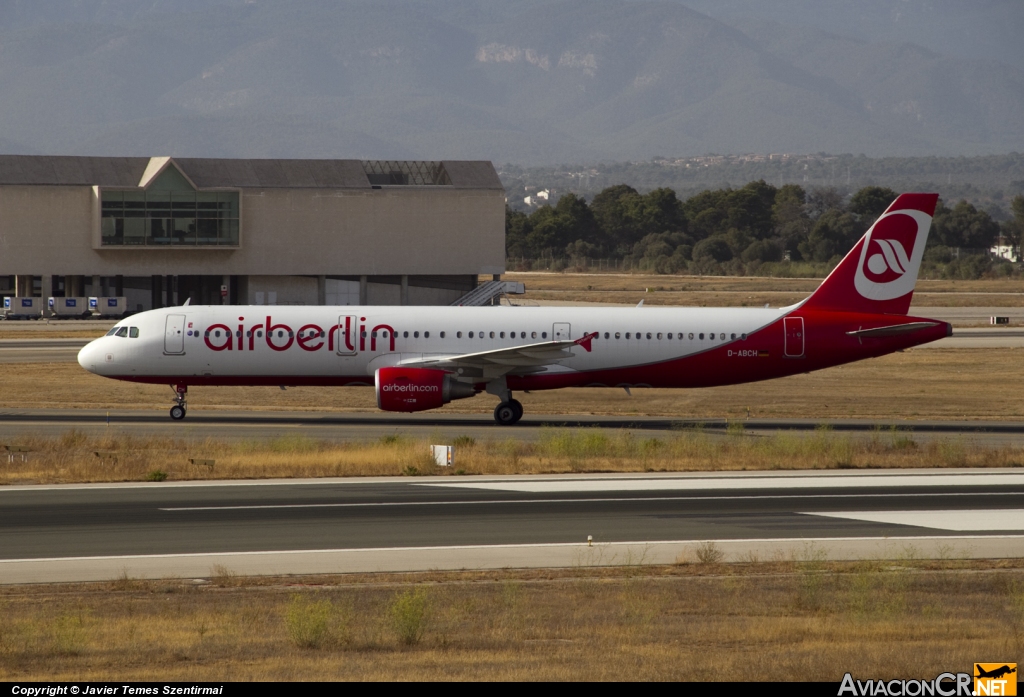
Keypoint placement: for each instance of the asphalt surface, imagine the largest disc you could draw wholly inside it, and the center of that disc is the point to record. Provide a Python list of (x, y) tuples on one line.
[(51, 531), (362, 426), (56, 522)]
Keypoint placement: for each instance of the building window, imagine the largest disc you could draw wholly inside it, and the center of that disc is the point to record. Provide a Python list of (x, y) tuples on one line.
[(405, 173), (169, 213)]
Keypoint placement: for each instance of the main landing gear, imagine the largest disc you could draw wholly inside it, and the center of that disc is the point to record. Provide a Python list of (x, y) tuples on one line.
[(180, 408), (508, 412)]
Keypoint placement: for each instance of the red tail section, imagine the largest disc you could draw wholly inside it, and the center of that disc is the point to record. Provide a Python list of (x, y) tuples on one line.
[(879, 273)]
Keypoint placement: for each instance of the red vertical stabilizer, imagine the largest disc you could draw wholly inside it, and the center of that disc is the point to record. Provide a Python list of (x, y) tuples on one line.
[(879, 273)]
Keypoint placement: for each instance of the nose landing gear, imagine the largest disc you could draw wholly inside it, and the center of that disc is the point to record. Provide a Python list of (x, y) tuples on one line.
[(180, 408)]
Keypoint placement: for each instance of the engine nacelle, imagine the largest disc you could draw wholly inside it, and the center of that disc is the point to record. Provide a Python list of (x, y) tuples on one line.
[(417, 389)]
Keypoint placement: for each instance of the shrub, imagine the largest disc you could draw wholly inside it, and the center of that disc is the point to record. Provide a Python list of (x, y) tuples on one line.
[(409, 615), (309, 622)]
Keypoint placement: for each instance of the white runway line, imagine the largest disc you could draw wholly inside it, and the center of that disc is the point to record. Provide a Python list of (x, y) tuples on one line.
[(815, 481), (959, 521)]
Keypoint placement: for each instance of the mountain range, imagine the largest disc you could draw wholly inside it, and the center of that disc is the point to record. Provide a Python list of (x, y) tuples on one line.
[(510, 81)]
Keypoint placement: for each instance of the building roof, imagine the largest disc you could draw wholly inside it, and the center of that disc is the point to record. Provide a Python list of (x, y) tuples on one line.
[(218, 173)]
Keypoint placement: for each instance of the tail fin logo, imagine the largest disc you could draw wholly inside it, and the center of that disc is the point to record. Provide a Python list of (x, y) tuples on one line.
[(891, 255), (892, 262)]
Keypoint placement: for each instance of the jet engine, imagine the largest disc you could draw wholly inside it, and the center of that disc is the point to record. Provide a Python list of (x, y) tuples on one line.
[(417, 389)]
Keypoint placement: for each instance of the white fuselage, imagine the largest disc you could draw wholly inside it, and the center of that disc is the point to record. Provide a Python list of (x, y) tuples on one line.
[(309, 342)]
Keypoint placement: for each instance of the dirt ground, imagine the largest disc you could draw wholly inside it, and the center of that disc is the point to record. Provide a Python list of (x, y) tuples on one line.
[(736, 291), (777, 620)]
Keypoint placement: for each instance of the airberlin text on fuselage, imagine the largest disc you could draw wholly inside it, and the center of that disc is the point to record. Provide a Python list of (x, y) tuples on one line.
[(410, 387), (281, 337)]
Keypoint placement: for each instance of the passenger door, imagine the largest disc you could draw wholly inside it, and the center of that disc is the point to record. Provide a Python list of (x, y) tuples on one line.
[(794, 337), (174, 335), (347, 336), (561, 331)]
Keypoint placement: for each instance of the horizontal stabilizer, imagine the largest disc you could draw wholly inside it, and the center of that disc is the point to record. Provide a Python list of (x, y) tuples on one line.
[(893, 330)]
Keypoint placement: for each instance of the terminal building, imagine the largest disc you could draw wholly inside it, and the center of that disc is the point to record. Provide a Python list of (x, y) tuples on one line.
[(159, 231)]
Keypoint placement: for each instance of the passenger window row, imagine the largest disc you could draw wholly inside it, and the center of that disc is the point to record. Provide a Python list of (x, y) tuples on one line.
[(133, 332), (680, 336)]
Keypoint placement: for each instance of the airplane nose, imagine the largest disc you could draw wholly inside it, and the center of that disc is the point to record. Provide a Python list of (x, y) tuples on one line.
[(90, 357)]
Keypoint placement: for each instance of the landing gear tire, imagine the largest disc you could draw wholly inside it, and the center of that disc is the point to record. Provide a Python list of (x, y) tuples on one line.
[(508, 413), (177, 412)]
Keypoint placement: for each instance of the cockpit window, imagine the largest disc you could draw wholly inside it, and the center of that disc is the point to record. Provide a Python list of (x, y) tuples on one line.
[(121, 331), (111, 332), (133, 332)]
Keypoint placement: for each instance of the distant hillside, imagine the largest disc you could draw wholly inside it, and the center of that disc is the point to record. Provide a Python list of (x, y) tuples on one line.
[(975, 29), (988, 182), (518, 81)]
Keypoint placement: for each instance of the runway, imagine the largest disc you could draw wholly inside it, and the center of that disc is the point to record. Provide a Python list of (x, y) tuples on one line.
[(94, 532)]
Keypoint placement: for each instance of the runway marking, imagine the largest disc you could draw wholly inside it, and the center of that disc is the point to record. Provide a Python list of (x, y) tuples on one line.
[(597, 482), (816, 481), (535, 545), (958, 520), (372, 504)]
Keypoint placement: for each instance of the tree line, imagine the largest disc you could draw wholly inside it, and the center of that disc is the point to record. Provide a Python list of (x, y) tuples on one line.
[(738, 231)]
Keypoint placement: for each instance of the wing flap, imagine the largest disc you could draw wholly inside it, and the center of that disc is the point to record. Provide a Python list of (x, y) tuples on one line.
[(526, 356)]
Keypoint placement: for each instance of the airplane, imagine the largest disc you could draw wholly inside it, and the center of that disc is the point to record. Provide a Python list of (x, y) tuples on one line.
[(994, 673), (420, 358)]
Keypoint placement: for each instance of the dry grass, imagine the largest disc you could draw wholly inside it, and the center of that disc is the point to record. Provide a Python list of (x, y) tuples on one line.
[(77, 457), (916, 384), (728, 291), (785, 620)]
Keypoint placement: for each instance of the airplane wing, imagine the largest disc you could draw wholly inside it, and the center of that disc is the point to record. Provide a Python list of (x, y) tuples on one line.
[(525, 358)]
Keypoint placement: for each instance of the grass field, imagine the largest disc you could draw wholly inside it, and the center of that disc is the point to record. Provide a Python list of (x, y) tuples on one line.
[(916, 384), (77, 457), (766, 620)]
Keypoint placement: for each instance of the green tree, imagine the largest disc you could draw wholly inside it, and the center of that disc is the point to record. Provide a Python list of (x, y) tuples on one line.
[(1013, 229), (517, 228), (713, 248), (833, 234), (792, 225), (823, 200), (963, 226), (615, 211), (871, 201)]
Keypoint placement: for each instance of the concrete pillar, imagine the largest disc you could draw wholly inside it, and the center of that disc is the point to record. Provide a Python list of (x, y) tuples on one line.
[(405, 290), (97, 288), (46, 290), (156, 295), (226, 282), (321, 290), (23, 286), (362, 290), (169, 283)]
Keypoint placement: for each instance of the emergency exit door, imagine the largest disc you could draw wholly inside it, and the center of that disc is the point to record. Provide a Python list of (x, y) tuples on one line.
[(561, 331), (794, 337)]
